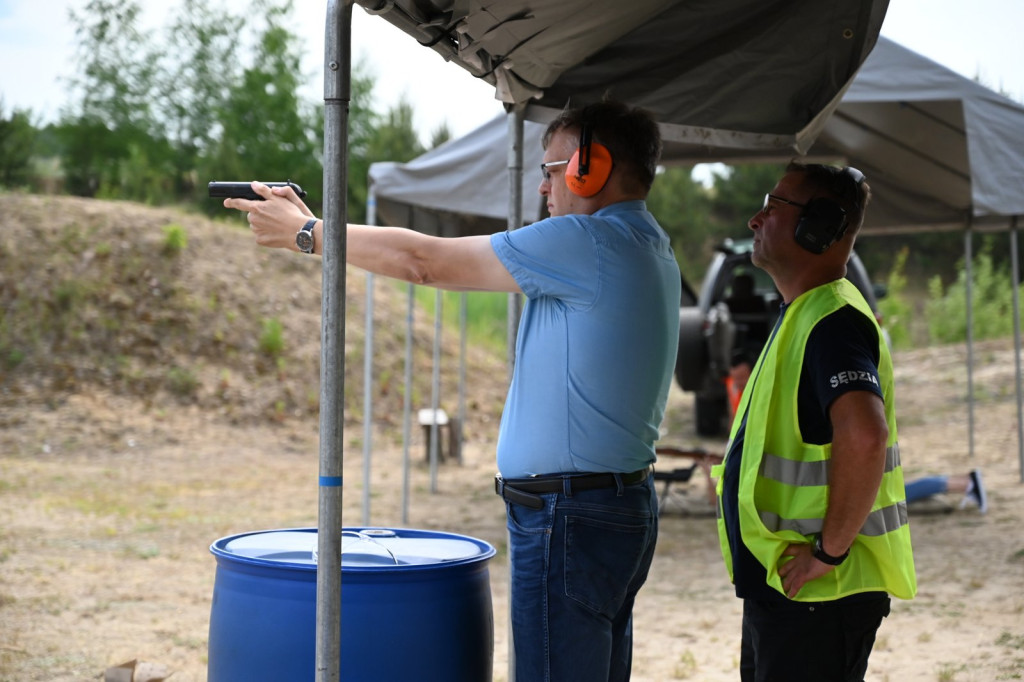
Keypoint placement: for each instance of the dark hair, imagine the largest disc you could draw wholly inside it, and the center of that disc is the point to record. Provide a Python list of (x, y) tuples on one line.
[(630, 134), (846, 186)]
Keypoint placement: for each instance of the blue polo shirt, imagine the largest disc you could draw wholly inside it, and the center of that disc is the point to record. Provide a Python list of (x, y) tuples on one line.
[(596, 345)]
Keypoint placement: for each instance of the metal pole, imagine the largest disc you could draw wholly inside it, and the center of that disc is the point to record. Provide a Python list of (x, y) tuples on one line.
[(515, 218), (456, 434), (337, 94), (371, 219), (407, 405), (1015, 270), (435, 387), (515, 221), (969, 258)]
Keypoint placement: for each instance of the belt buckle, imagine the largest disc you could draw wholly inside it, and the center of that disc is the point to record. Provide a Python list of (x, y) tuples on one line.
[(510, 494)]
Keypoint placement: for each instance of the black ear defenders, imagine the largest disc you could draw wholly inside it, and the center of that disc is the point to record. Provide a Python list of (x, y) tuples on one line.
[(823, 220), (590, 167)]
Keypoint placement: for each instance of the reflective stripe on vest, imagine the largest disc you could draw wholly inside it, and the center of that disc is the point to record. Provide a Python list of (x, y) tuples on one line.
[(793, 472)]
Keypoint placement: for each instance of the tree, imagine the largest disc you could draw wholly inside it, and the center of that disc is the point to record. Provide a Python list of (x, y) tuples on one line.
[(391, 137), (17, 138), (441, 134), (268, 131), (680, 204), (112, 124), (203, 46), (739, 193)]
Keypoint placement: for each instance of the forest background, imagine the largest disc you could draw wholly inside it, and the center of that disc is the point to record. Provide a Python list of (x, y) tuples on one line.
[(151, 117)]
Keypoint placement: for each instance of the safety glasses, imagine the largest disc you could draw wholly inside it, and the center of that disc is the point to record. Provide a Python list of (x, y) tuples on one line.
[(544, 168)]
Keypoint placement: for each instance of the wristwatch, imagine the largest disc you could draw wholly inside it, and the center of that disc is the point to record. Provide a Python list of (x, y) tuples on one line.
[(822, 556), (304, 238)]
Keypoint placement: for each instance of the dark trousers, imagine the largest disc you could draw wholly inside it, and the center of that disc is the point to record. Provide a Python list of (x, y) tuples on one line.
[(788, 641)]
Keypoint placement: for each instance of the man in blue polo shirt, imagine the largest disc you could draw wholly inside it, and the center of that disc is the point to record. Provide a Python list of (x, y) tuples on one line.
[(595, 352)]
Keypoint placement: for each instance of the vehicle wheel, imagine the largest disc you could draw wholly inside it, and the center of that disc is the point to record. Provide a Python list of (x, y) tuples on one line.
[(692, 355), (709, 413)]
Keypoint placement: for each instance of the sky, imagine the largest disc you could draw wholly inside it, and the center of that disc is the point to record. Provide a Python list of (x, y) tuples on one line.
[(980, 38)]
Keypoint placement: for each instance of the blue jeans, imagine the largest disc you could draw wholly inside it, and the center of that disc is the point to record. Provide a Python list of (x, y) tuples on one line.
[(576, 567), (922, 488)]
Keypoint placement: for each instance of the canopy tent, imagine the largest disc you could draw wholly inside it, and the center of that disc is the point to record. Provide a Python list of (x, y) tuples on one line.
[(722, 75), (939, 150), (461, 187)]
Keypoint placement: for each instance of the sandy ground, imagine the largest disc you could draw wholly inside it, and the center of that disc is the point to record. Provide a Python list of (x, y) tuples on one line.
[(108, 508)]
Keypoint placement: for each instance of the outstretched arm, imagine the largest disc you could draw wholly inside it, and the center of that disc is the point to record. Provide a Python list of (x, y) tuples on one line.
[(461, 264)]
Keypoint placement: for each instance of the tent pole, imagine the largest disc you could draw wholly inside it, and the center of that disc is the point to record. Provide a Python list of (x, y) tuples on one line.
[(456, 433), (515, 216), (371, 219), (337, 95), (969, 259), (515, 220), (407, 404), (1015, 279), (435, 388)]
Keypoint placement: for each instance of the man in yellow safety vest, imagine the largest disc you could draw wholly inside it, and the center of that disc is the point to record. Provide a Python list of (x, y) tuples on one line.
[(812, 508)]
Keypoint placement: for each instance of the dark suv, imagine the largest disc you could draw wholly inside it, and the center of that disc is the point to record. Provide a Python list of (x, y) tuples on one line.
[(735, 310)]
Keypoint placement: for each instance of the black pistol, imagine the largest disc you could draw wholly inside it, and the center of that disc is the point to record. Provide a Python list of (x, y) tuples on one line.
[(243, 190)]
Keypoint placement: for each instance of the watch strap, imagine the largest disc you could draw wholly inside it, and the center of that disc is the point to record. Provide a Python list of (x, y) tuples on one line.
[(821, 555)]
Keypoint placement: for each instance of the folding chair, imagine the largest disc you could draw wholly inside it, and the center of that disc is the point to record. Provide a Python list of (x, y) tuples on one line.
[(700, 458)]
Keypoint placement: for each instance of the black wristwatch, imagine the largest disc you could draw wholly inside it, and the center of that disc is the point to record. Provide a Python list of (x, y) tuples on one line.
[(822, 556), (304, 238)]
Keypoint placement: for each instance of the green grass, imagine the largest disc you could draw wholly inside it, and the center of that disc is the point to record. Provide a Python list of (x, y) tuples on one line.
[(486, 313)]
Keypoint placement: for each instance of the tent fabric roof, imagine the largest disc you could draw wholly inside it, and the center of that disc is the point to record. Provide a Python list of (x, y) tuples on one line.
[(716, 73), (936, 148), (460, 187)]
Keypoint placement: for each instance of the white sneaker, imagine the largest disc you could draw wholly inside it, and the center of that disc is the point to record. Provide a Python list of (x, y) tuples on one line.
[(976, 492)]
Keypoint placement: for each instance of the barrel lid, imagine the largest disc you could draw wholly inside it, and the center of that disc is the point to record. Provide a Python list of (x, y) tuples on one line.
[(361, 548)]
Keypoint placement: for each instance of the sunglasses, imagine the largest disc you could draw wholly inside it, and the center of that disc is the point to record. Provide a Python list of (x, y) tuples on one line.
[(768, 198)]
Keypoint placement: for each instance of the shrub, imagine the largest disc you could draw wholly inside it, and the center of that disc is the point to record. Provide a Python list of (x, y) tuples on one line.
[(181, 381), (991, 304), (272, 338), (175, 239), (895, 308)]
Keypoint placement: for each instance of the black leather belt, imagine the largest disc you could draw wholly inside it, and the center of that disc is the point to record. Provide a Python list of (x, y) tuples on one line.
[(525, 491)]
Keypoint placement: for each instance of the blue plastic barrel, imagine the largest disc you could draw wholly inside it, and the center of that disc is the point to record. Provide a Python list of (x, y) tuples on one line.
[(415, 606)]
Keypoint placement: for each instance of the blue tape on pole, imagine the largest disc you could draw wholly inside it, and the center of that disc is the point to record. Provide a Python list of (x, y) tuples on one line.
[(330, 481)]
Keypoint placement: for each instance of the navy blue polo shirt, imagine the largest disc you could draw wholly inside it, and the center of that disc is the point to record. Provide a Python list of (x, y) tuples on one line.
[(841, 356)]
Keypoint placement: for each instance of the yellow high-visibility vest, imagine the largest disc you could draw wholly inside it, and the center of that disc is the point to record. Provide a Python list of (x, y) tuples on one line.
[(783, 481)]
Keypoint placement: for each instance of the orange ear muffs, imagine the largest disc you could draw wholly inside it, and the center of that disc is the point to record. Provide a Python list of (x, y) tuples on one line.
[(589, 167)]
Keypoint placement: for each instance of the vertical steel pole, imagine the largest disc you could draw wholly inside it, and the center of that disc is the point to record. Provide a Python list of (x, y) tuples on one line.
[(456, 433), (407, 404), (371, 219), (515, 217), (1015, 270), (515, 221), (435, 389), (969, 260), (337, 94)]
